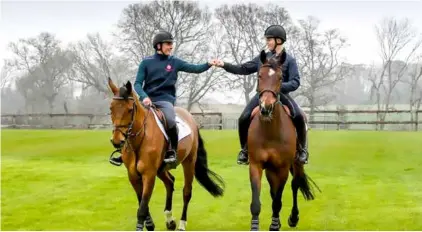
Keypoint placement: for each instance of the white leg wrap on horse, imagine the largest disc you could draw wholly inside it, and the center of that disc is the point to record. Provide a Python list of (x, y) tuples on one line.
[(182, 225), (169, 216)]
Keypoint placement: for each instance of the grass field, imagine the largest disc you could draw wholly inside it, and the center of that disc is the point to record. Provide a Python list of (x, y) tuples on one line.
[(61, 180)]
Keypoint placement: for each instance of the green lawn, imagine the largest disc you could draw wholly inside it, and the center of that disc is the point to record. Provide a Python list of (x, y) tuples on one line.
[(61, 180)]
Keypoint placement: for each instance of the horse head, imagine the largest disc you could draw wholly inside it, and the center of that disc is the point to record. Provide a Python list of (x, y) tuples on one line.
[(269, 82), (123, 109)]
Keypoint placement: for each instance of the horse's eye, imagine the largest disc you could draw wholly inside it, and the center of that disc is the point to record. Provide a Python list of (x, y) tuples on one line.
[(130, 110)]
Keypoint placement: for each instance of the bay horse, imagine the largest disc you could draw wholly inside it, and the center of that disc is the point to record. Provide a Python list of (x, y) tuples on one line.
[(138, 136), (272, 145)]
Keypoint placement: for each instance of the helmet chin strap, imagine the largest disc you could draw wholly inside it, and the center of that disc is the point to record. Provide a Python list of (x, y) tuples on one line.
[(160, 50), (276, 45)]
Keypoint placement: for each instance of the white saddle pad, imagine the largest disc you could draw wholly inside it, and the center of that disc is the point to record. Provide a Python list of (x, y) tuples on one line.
[(183, 128)]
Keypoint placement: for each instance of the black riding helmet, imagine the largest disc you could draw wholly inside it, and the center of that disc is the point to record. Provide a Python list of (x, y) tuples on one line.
[(161, 37), (276, 31)]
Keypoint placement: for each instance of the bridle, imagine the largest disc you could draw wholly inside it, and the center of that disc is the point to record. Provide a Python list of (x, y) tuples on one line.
[(276, 94), (129, 134)]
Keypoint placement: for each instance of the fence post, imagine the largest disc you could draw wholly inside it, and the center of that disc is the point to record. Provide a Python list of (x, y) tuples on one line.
[(378, 118), (338, 119)]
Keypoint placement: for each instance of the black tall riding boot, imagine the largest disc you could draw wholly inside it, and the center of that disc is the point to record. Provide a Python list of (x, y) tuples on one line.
[(302, 149), (243, 128), (171, 154)]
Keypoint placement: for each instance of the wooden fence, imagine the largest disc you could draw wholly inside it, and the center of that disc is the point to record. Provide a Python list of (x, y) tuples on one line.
[(89, 121), (323, 119)]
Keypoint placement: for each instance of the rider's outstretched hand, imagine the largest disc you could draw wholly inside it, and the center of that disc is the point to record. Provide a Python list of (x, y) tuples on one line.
[(215, 62), (219, 63), (212, 62)]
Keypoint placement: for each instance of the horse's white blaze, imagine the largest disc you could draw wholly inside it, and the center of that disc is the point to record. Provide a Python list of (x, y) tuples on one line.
[(271, 72), (182, 225), (169, 216)]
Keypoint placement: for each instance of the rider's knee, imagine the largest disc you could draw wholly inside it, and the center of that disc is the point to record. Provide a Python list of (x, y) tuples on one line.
[(171, 123), (243, 117)]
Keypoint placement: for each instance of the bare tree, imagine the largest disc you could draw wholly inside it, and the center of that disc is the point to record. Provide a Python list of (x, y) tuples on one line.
[(319, 62), (194, 90), (394, 37), (185, 20), (41, 60), (244, 26), (6, 75), (414, 80), (95, 61), (191, 27)]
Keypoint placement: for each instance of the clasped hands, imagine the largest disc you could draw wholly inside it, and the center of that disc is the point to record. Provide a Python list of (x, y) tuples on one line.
[(217, 63)]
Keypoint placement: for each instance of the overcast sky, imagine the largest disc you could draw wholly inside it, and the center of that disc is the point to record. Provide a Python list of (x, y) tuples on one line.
[(72, 20)]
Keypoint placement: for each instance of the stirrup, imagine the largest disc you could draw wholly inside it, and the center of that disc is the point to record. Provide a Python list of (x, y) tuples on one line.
[(170, 157), (114, 162), (299, 153), (243, 153)]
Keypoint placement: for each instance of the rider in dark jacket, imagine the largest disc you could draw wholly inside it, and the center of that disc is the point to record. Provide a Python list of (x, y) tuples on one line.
[(276, 37), (156, 84)]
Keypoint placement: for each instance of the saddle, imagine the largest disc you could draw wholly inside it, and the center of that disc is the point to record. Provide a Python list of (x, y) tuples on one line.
[(160, 116)]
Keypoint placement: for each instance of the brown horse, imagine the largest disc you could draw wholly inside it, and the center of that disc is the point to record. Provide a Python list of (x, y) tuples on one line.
[(272, 147), (142, 143)]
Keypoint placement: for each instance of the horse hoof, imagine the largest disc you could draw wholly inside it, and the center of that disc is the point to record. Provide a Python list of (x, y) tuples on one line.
[(293, 221), (139, 227), (171, 225), (181, 230), (150, 228)]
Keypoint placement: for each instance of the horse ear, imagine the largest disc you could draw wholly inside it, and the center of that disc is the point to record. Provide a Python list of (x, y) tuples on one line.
[(282, 57), (263, 57), (112, 86), (129, 87)]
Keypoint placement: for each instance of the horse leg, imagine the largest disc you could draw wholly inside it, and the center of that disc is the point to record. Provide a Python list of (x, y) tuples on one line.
[(255, 175), (149, 223), (277, 181), (136, 183), (168, 181), (148, 180), (294, 215), (188, 171)]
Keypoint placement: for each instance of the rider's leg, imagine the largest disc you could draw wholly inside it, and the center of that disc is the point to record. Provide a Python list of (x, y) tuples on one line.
[(300, 124), (243, 127), (171, 130)]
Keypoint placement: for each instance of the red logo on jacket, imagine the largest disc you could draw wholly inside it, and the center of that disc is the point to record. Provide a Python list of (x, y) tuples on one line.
[(168, 68)]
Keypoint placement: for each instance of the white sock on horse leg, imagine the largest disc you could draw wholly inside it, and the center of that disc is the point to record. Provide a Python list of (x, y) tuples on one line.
[(182, 225), (169, 216)]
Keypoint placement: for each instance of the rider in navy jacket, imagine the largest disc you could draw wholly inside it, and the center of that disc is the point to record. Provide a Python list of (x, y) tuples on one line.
[(276, 36)]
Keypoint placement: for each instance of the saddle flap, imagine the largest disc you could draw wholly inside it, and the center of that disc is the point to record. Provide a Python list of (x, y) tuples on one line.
[(160, 116)]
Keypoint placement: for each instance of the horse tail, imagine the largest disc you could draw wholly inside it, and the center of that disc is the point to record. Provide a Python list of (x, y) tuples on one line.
[(203, 174), (303, 181)]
